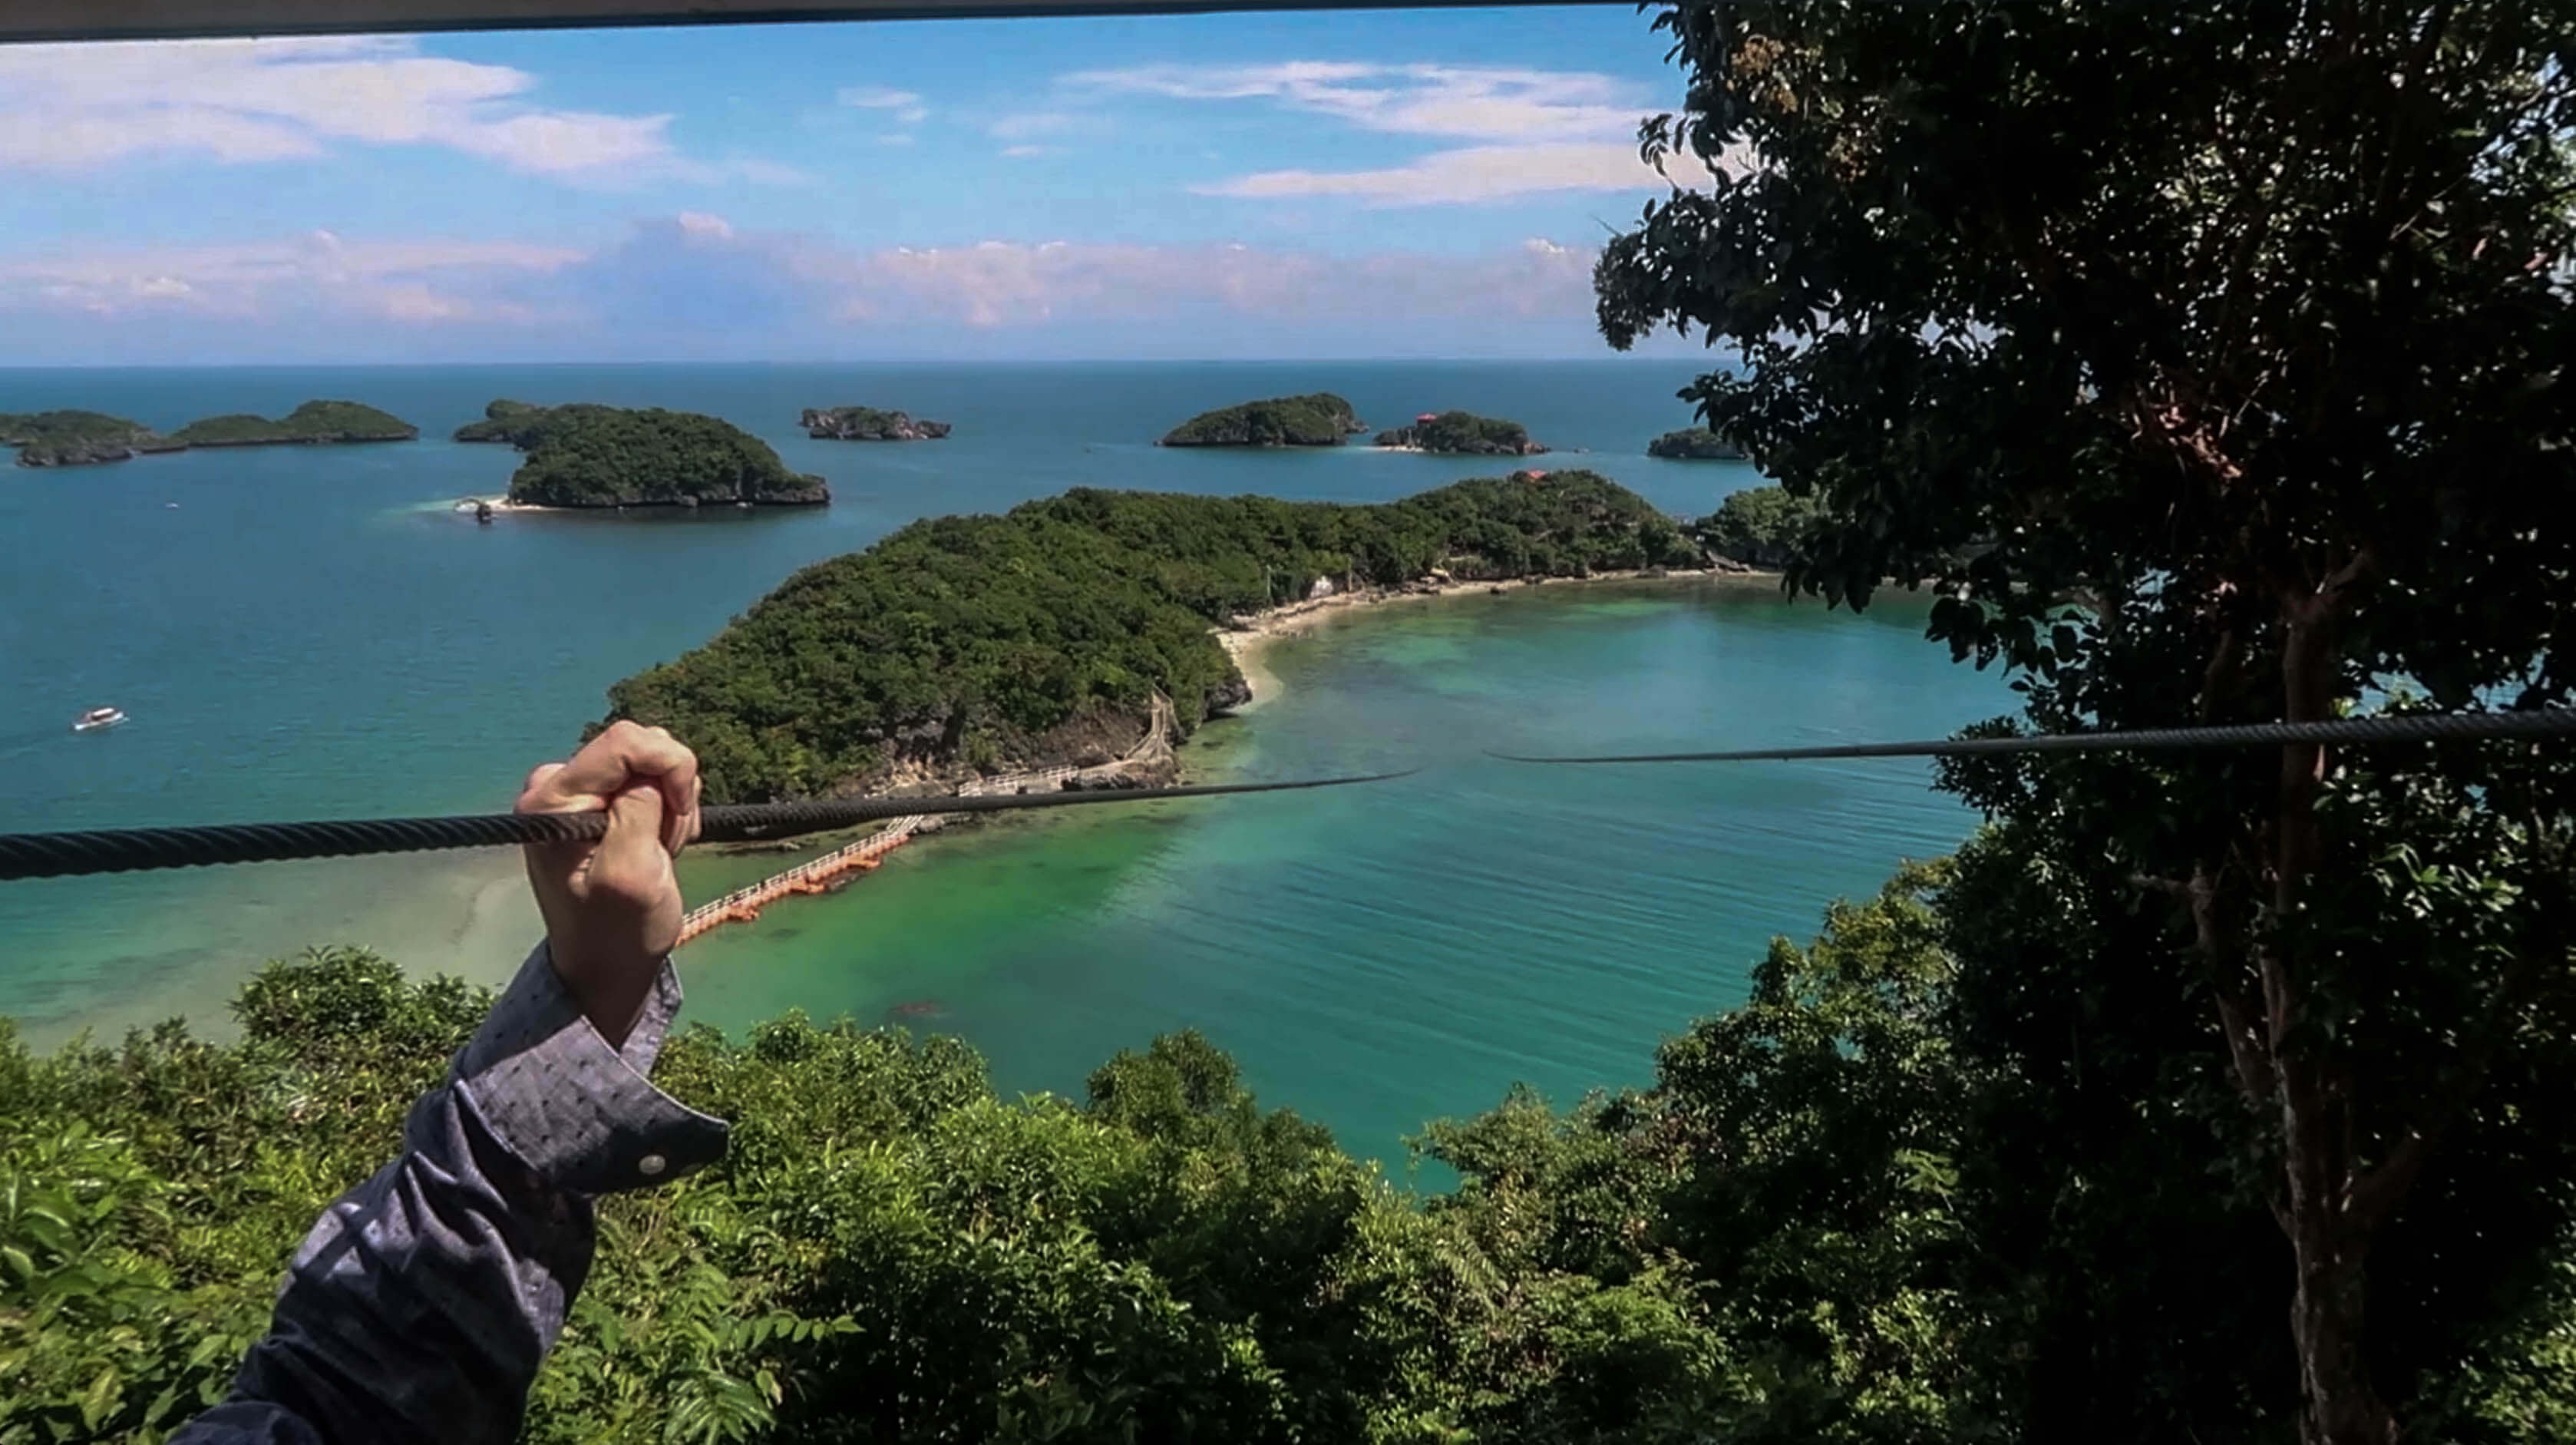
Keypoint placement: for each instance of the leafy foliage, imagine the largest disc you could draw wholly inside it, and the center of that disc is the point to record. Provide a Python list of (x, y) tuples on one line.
[(2256, 346), (1320, 419), (1466, 433), (984, 635), (586, 455), (889, 1251), (1762, 526), (314, 421)]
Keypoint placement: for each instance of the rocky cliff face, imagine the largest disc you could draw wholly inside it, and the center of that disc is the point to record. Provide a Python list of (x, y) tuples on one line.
[(867, 424)]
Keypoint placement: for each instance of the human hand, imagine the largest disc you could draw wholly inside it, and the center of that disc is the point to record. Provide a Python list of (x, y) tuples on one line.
[(612, 907)]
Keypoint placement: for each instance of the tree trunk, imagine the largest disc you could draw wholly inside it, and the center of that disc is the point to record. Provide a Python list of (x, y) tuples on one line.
[(2329, 1238)]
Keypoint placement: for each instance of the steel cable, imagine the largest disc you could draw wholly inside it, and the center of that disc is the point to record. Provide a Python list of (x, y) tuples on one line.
[(119, 850), (2388, 728)]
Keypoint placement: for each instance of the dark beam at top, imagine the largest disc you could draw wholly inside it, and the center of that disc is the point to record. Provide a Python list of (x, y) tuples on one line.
[(33, 20)]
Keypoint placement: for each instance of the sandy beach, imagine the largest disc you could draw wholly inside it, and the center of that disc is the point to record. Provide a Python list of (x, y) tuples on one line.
[(1246, 642), (503, 504)]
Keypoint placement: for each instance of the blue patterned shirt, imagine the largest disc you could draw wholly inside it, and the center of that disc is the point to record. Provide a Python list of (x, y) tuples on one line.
[(424, 1300)]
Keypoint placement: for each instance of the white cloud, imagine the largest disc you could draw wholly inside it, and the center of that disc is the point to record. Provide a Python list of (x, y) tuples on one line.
[(1477, 173), (877, 97), (906, 104), (1540, 130), (1490, 103), (693, 281), (1038, 124), (318, 273), (1000, 284), (71, 107), (1024, 152)]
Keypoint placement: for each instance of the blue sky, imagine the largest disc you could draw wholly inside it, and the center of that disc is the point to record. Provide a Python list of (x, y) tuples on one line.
[(1401, 183)]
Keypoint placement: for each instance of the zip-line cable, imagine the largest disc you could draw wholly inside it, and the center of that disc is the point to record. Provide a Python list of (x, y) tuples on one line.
[(119, 850), (2395, 728)]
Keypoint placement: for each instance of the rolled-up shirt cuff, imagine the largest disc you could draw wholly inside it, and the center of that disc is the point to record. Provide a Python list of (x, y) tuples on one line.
[(580, 1114)]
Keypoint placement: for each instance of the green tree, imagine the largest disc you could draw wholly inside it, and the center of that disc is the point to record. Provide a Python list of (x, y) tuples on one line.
[(2246, 322), (1762, 526)]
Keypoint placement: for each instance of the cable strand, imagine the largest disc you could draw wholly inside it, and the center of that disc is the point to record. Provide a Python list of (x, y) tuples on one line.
[(122, 850), (2385, 728)]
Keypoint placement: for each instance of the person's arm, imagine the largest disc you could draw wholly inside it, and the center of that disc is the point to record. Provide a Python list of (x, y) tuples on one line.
[(423, 1301)]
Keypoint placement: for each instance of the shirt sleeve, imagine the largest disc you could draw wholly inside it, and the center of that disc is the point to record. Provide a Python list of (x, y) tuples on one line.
[(423, 1301)]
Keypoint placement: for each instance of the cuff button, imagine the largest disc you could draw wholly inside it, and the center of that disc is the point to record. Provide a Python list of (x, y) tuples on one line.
[(651, 1165)]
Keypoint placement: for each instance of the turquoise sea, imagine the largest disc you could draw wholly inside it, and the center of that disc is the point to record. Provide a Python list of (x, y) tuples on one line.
[(311, 633)]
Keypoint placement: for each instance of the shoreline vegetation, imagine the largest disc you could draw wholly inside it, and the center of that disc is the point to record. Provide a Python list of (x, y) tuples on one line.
[(74, 438)]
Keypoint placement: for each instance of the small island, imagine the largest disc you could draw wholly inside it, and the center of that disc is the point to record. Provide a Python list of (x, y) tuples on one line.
[(79, 438), (589, 456), (521, 423), (867, 424), (313, 423), (1694, 444), (1462, 433), (1042, 635), (1318, 419)]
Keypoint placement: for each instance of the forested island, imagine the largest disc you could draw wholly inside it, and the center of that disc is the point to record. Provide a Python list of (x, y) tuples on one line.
[(1696, 444), (313, 423), (85, 438), (1318, 419), (78, 438), (587, 455), (868, 424), (1463, 433), (1035, 634)]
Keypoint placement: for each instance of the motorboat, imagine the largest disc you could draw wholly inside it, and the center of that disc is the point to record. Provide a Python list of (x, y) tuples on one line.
[(98, 719)]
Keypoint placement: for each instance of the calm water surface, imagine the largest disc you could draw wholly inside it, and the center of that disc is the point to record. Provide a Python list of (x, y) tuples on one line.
[(309, 633)]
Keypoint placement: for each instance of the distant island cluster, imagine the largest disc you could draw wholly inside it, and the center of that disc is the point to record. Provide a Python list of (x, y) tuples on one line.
[(1057, 626), (86, 438), (585, 455)]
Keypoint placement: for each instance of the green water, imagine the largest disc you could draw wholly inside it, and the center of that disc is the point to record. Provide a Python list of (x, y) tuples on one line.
[(1380, 956)]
